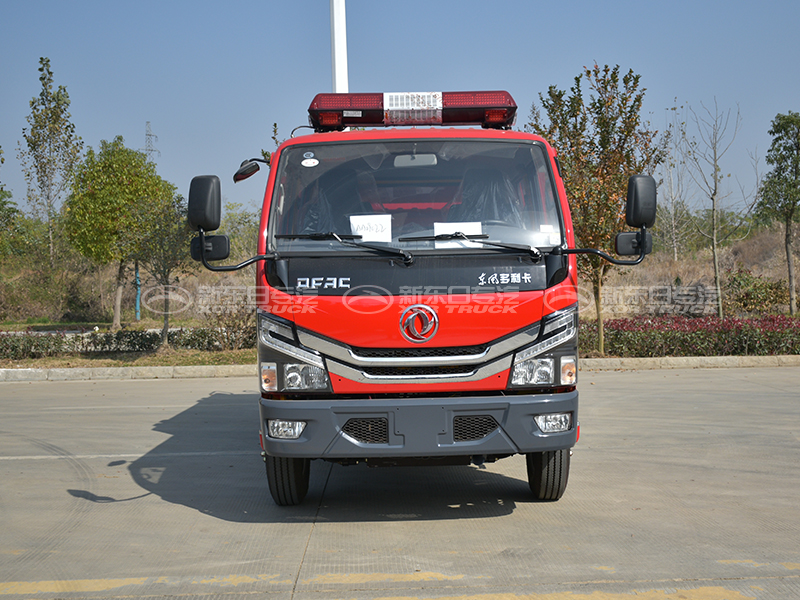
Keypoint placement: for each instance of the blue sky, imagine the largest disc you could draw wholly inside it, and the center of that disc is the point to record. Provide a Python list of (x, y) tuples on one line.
[(212, 77)]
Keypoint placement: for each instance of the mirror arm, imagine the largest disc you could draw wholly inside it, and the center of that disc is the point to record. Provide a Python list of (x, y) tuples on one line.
[(246, 263), (612, 260)]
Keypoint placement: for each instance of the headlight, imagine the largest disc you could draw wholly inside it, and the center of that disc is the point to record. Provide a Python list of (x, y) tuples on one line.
[(552, 360), (535, 371), (285, 365), (304, 377)]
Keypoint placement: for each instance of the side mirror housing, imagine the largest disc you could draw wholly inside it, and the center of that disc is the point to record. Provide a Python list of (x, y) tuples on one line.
[(247, 169), (640, 209), (205, 202), (218, 247)]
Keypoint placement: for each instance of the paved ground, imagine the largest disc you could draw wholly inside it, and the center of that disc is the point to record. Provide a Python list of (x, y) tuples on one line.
[(685, 484)]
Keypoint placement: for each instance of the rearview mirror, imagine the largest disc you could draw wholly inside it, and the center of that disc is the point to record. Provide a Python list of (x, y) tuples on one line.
[(204, 203), (640, 209), (247, 168)]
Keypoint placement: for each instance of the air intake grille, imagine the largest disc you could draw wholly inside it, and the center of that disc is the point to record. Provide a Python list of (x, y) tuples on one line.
[(471, 428), (422, 371), (368, 431), (418, 352)]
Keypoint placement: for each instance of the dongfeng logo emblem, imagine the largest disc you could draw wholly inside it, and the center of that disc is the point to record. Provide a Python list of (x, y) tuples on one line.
[(419, 323)]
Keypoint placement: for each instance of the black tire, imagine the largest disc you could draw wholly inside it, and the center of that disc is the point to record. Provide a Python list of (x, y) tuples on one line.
[(548, 473), (288, 479)]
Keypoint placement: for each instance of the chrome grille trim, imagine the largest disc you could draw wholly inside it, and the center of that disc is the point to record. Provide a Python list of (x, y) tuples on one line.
[(345, 354), (475, 374)]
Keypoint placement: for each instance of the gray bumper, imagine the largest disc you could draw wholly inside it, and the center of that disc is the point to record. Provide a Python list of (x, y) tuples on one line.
[(417, 427)]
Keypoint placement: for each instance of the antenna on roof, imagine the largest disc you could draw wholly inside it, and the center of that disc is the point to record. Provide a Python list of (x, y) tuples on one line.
[(339, 47)]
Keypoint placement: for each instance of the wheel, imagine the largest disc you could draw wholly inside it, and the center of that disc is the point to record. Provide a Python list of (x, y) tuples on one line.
[(548, 473), (288, 479)]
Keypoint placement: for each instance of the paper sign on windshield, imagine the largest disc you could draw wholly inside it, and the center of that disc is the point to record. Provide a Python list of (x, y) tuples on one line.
[(372, 228)]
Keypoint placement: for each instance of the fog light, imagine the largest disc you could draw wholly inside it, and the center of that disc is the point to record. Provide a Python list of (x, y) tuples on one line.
[(569, 370), (535, 371), (269, 377), (304, 377), (285, 430), (554, 423)]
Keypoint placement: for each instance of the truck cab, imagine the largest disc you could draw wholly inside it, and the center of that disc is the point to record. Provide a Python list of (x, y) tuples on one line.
[(416, 289)]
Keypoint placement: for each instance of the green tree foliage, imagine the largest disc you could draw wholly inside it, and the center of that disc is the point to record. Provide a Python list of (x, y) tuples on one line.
[(163, 239), (111, 189), (601, 141), (780, 189), (241, 226), (8, 216), (52, 151)]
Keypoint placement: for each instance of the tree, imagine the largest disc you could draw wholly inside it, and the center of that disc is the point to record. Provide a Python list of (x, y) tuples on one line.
[(673, 228), (241, 226), (51, 153), (163, 241), (110, 188), (780, 189), (8, 215), (601, 141), (716, 133)]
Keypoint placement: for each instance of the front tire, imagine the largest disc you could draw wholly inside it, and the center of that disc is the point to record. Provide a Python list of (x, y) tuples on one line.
[(288, 479), (548, 473)]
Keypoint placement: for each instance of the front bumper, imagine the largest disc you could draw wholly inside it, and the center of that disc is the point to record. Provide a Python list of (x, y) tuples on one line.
[(419, 427)]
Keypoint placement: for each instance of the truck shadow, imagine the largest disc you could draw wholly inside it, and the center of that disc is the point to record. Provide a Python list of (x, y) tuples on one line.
[(211, 463)]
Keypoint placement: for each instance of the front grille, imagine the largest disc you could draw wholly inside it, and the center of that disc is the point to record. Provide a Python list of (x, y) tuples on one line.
[(418, 352), (368, 431), (471, 428), (447, 371)]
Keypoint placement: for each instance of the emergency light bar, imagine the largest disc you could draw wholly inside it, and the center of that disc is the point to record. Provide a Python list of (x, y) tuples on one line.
[(334, 112)]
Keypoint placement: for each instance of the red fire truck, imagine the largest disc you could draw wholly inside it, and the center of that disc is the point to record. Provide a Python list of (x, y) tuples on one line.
[(417, 288)]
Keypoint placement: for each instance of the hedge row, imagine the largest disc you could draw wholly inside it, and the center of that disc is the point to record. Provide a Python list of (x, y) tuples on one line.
[(18, 346), (683, 336), (641, 336)]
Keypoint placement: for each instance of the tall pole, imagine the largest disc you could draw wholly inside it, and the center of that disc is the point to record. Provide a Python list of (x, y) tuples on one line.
[(339, 47)]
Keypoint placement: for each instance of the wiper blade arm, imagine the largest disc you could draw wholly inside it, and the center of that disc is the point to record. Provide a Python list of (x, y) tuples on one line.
[(480, 238), (317, 235), (444, 237), (349, 240)]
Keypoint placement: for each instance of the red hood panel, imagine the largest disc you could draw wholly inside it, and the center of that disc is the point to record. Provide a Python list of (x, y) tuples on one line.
[(374, 322)]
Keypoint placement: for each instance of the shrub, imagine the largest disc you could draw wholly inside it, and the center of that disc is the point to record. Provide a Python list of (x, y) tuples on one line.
[(746, 293), (708, 336), (18, 346)]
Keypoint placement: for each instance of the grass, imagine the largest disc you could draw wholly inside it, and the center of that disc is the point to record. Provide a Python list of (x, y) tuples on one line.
[(169, 358)]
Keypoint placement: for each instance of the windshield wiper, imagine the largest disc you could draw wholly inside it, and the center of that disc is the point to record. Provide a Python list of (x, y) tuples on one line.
[(317, 235), (350, 240), (480, 238)]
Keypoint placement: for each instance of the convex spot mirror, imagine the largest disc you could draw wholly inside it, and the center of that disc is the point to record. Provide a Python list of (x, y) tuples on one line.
[(630, 244), (205, 202), (640, 209), (217, 247)]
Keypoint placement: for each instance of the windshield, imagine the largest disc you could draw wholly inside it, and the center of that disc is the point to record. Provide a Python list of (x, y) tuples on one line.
[(403, 194)]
